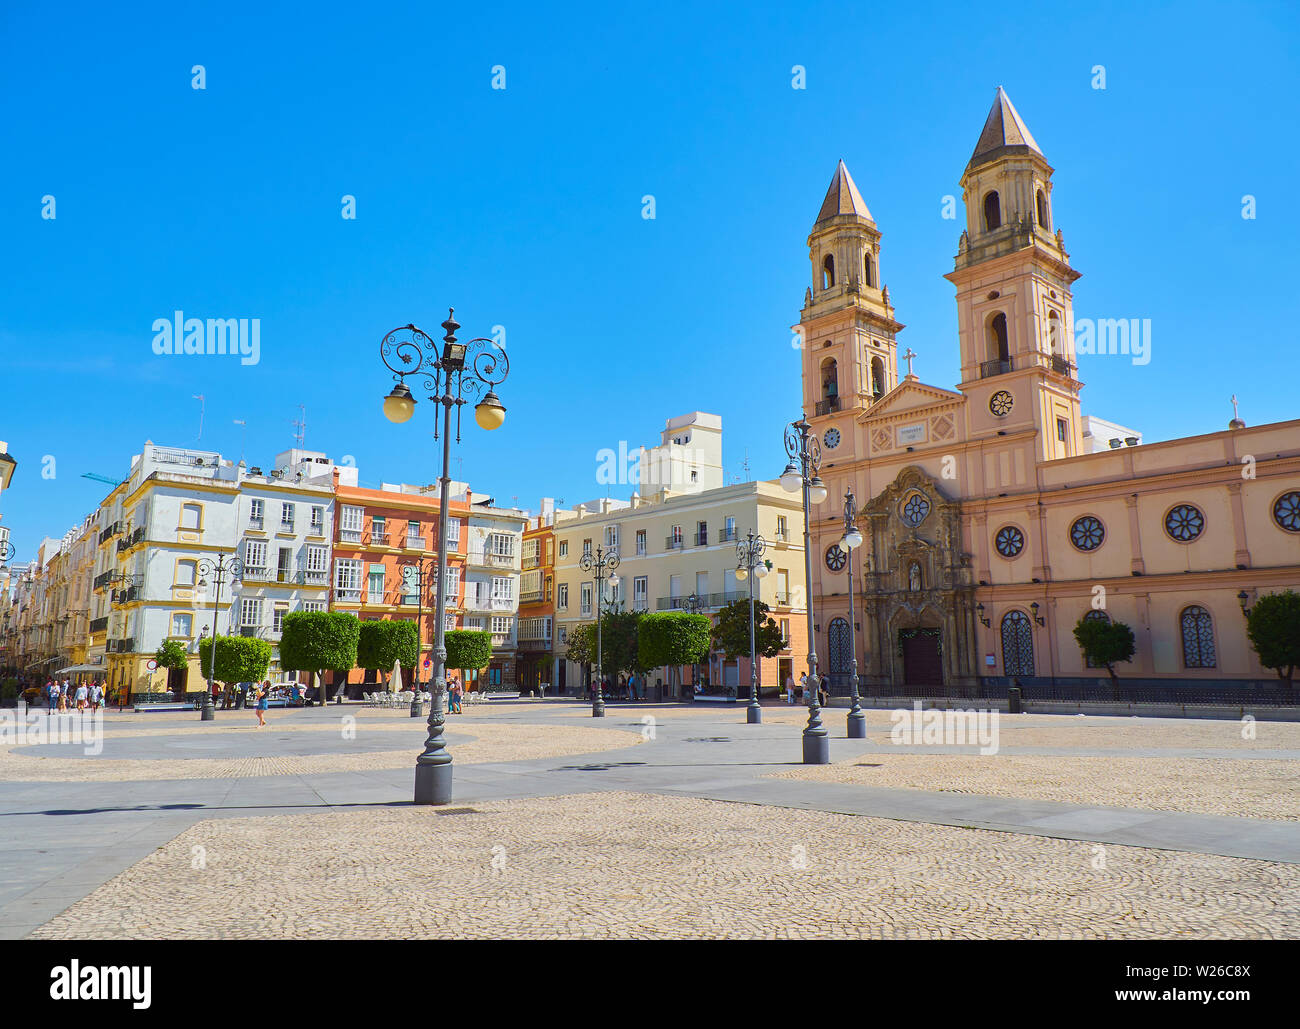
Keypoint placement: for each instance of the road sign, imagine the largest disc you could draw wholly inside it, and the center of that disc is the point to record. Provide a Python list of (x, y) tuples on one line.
[(151, 664)]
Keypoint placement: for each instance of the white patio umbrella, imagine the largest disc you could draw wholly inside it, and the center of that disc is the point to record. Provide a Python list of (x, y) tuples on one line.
[(395, 680)]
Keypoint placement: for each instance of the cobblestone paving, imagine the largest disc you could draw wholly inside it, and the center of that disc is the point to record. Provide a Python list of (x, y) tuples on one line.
[(492, 741), (1214, 786), (617, 865)]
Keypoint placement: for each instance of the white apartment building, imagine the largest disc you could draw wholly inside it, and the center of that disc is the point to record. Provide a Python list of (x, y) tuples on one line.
[(493, 550), (688, 458)]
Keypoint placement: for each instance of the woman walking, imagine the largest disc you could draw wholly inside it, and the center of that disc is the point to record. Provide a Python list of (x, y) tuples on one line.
[(263, 691)]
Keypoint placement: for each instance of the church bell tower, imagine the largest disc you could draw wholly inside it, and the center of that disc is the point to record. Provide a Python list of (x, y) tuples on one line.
[(1014, 304)]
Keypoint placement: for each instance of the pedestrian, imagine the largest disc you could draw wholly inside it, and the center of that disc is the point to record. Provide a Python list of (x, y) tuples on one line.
[(52, 692), (457, 692), (789, 688), (263, 693), (82, 695), (803, 687), (96, 695)]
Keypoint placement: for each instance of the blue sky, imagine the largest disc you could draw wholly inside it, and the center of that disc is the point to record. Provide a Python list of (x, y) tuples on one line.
[(522, 207)]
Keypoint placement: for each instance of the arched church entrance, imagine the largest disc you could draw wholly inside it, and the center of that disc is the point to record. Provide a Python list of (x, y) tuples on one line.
[(922, 656)]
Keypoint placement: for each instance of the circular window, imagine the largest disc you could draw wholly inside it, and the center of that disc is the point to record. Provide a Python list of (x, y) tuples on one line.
[(1001, 402), (1010, 541), (831, 438), (915, 509), (1286, 511), (835, 557), (1087, 532), (1184, 523)]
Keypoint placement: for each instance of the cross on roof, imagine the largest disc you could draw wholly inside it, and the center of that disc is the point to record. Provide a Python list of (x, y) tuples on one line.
[(908, 358), (1235, 412)]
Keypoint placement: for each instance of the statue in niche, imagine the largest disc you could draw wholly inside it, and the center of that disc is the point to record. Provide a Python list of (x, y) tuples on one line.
[(914, 578)]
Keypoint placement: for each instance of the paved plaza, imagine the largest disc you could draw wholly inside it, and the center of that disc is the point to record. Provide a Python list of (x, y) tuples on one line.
[(657, 821)]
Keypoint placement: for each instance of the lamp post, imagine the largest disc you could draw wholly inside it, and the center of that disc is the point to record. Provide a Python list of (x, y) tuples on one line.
[(424, 571), (805, 453), (447, 373), (217, 571), (857, 722), (604, 562), (752, 566), (692, 605)]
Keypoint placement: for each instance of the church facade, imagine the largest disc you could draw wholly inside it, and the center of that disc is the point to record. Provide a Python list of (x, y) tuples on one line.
[(989, 530)]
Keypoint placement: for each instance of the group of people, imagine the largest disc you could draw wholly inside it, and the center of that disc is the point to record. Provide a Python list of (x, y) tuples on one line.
[(795, 692), (455, 695), (623, 687), (82, 697)]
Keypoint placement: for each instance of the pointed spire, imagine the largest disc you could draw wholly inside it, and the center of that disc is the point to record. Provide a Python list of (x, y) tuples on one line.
[(842, 197), (1003, 128)]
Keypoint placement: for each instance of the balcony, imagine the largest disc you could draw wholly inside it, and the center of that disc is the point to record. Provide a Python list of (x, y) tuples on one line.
[(110, 532), (120, 646), (674, 543), (256, 573), (542, 644), (701, 539), (313, 578), (410, 542), (828, 406), (728, 535), (256, 523), (1061, 366), (532, 597), (706, 601), (488, 559), (127, 595), (995, 367), (99, 624), (102, 579)]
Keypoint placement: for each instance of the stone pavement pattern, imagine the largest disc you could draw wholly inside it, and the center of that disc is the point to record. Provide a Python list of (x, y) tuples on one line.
[(617, 864)]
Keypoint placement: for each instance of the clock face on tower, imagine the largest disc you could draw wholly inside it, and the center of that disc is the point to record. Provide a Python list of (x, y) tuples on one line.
[(1000, 403), (831, 438)]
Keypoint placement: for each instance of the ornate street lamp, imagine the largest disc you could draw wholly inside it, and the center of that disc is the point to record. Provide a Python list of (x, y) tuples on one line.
[(218, 571), (857, 724), (692, 605), (805, 452), (752, 566), (603, 563), (425, 570), (448, 374)]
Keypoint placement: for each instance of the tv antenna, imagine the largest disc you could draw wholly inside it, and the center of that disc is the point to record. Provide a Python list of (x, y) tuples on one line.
[(199, 398), (301, 426)]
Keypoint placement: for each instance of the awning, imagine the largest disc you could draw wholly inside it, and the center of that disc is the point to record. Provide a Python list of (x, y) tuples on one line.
[(82, 668)]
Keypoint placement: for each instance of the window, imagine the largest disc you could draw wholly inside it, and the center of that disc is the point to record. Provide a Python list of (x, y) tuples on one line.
[(182, 625), (501, 625), (1184, 523), (1010, 541), (877, 377), (998, 346), (350, 525), (1055, 337), (347, 579), (502, 544), (250, 612), (785, 633), (317, 563), (830, 379), (1017, 644), (586, 600), (992, 211), (1044, 218), (451, 583), (317, 519), (586, 548), (868, 275), (611, 536), (781, 531), (453, 532), (1198, 638), (677, 536), (410, 584), (413, 537), (185, 572), (284, 566), (503, 589), (1062, 429), (375, 584), (312, 605), (256, 511), (828, 272), (701, 534), (640, 541), (277, 618), (915, 509), (838, 651), (1087, 533), (286, 515), (191, 517), (640, 592), (1286, 511), (254, 557), (729, 527), (564, 548), (562, 597)]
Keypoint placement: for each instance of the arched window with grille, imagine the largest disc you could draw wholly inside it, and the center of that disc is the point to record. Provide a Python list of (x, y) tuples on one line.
[(868, 273), (877, 377), (992, 211), (1017, 644), (828, 272), (838, 654), (1198, 638)]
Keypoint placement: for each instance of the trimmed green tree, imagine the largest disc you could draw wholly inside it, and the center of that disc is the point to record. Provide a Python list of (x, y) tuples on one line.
[(172, 656), (239, 659), (618, 642), (671, 639), (380, 643), (1273, 627), (730, 632), (468, 650), (582, 643), (319, 641), (1104, 643)]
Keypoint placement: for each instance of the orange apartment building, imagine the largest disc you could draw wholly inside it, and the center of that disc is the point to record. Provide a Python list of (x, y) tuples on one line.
[(385, 559), (536, 657)]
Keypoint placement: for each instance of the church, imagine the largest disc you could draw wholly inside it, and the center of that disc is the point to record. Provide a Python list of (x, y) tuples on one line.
[(989, 528)]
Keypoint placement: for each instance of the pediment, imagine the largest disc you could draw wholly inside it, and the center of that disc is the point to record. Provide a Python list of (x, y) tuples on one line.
[(910, 396)]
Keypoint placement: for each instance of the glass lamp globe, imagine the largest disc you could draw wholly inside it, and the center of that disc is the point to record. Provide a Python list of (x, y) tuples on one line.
[(761, 569), (613, 580), (853, 538), (817, 490), (490, 412), (399, 405), (790, 478), (742, 573)]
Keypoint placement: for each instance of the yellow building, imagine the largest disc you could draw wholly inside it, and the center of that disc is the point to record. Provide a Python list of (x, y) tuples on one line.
[(990, 529)]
